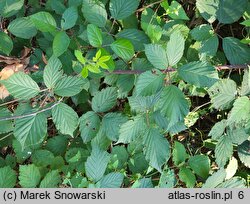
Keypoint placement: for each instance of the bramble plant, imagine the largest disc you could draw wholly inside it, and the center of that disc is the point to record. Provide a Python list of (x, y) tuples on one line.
[(124, 93)]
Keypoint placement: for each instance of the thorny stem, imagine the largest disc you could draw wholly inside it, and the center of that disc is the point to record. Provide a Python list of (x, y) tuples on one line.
[(6, 136), (9, 102), (143, 8), (219, 68), (31, 114), (201, 106)]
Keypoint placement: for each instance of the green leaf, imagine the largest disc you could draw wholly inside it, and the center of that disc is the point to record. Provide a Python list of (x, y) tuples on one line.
[(223, 93), (148, 84), (69, 18), (244, 153), (245, 85), (22, 28), (132, 129), (6, 44), (214, 180), (52, 72), (157, 56), (29, 176), (187, 176), (89, 126), (32, 130), (246, 23), (53, 143), (173, 104), (200, 165), (175, 48), (79, 57), (60, 43), (179, 153), (167, 179), (110, 63), (201, 32), (93, 68), (69, 86), (51, 180), (21, 153), (55, 6), (238, 135), (65, 119), (42, 158), (84, 72), (94, 12), (94, 35), (175, 11), (44, 21), (223, 150), (112, 180), (104, 100), (101, 141), (235, 51), (137, 38), (123, 48), (143, 183), (151, 25), (240, 112), (231, 168), (6, 126), (142, 104), (208, 9), (200, 74), (218, 129), (121, 9), (21, 86), (111, 124), (119, 157), (157, 148), (209, 47), (9, 8), (7, 177), (231, 11), (235, 182), (75, 155), (96, 164)]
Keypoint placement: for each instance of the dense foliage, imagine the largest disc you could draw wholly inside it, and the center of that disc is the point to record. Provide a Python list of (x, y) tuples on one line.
[(124, 93)]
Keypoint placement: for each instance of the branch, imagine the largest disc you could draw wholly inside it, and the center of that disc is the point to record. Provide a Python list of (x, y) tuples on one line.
[(143, 8), (218, 68), (31, 114), (229, 67)]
